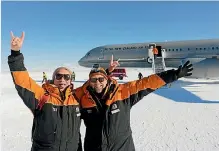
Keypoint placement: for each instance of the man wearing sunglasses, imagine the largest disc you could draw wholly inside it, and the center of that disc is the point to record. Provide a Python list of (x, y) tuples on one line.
[(106, 105), (56, 123), (56, 113)]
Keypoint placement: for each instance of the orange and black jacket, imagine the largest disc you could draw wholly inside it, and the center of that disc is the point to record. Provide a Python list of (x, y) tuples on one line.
[(107, 116), (56, 122)]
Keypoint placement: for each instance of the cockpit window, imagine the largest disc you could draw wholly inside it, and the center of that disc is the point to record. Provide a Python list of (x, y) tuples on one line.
[(88, 54)]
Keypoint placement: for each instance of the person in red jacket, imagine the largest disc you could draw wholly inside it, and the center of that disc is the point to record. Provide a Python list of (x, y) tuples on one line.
[(155, 52)]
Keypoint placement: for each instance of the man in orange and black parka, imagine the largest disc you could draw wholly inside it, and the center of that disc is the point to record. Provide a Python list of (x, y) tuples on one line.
[(56, 113), (106, 105)]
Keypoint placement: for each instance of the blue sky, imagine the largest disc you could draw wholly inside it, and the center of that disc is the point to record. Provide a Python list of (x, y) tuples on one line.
[(62, 32)]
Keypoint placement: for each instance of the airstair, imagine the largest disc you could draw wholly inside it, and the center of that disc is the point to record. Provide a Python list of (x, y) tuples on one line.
[(158, 63)]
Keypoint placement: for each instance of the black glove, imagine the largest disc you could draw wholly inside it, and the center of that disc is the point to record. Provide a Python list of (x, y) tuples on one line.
[(184, 70)]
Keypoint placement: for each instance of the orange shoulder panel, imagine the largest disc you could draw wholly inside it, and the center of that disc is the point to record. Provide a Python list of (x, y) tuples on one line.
[(69, 101), (125, 90), (23, 79)]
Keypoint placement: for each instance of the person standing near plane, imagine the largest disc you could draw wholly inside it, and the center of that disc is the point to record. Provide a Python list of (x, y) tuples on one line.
[(106, 106), (155, 52), (56, 113), (73, 76), (44, 77), (140, 76)]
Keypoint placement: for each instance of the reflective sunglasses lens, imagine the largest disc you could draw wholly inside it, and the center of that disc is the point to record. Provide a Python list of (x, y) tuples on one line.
[(93, 80), (101, 79), (58, 76), (67, 77)]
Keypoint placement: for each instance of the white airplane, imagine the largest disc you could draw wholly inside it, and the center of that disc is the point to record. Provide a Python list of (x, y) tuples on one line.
[(204, 54)]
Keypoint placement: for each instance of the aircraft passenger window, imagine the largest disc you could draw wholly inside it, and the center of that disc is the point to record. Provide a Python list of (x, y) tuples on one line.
[(204, 48), (172, 49), (176, 49), (217, 48), (200, 48), (196, 48), (188, 48), (180, 49), (212, 48)]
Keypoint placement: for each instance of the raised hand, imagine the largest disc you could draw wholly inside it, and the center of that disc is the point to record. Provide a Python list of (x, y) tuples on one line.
[(17, 42), (184, 70), (113, 64)]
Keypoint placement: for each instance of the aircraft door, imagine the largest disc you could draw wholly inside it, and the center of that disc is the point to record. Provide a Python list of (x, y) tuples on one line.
[(150, 49), (159, 51)]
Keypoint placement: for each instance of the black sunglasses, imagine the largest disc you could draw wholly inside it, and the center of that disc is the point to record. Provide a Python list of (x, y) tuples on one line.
[(94, 80), (66, 76)]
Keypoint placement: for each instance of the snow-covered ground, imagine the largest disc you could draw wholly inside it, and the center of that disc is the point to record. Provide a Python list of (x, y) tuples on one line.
[(184, 117)]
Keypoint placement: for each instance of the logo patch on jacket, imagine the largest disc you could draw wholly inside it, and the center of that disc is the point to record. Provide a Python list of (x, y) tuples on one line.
[(54, 109), (114, 109), (89, 111), (78, 111), (78, 114)]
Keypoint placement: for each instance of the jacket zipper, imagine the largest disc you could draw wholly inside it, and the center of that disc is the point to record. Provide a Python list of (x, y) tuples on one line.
[(106, 122), (61, 125)]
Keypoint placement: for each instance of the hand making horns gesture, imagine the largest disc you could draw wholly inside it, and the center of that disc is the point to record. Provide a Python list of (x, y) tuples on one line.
[(16, 42)]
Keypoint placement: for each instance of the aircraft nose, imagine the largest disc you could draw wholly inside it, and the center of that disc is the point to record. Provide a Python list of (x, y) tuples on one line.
[(81, 62)]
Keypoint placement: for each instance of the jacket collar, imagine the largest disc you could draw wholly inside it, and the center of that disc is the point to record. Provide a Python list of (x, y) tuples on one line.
[(54, 91), (111, 89)]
